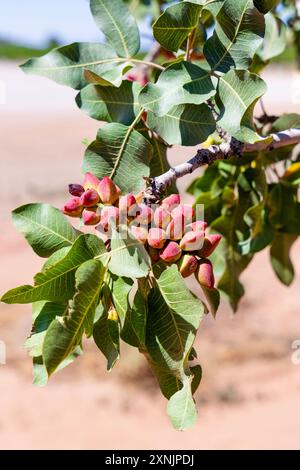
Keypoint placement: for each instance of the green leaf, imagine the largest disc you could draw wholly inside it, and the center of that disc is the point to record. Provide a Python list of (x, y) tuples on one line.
[(265, 5), (66, 333), (118, 25), (159, 163), (40, 374), (111, 104), (180, 83), (253, 188), (44, 314), (175, 24), (238, 92), (57, 282), (213, 6), (67, 65), (181, 408), (213, 298), (45, 228), (120, 291), (231, 225), (275, 38), (238, 33), (121, 153), (106, 337), (138, 316), (280, 257), (174, 315), (287, 121), (184, 124), (128, 257), (282, 196)]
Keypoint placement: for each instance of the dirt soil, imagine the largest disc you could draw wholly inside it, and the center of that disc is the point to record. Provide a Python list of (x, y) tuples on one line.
[(249, 396)]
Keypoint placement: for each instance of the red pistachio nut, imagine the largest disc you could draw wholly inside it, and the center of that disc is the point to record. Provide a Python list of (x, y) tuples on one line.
[(90, 217), (142, 214), (171, 202), (186, 211), (89, 198), (73, 207), (198, 226), (161, 217), (109, 216), (140, 233), (176, 228), (192, 241), (127, 202), (90, 181), (171, 252), (76, 189), (209, 245), (157, 238), (205, 274), (108, 191), (187, 265)]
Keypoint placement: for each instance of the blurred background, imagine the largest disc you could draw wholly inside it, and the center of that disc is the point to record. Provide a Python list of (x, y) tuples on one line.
[(249, 396)]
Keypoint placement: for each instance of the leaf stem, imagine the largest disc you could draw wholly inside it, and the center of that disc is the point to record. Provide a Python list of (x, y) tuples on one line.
[(188, 50), (149, 64), (127, 135)]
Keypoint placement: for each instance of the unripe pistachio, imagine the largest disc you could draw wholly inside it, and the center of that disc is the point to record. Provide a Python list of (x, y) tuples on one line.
[(140, 233), (109, 215), (161, 217), (73, 207), (176, 228), (76, 189), (205, 274), (154, 254), (108, 191), (90, 217), (192, 241), (89, 198), (90, 181), (112, 314), (198, 226), (171, 252), (210, 243), (171, 202), (187, 265), (157, 238)]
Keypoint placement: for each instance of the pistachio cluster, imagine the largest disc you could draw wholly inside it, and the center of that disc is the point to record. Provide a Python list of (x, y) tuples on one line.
[(168, 231)]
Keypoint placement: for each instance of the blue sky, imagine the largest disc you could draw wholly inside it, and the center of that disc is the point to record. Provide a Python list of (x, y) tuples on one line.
[(33, 21)]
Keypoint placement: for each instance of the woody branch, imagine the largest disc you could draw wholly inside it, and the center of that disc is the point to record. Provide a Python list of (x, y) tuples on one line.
[(223, 151)]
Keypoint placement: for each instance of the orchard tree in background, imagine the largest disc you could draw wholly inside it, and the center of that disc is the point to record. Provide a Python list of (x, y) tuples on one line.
[(198, 84)]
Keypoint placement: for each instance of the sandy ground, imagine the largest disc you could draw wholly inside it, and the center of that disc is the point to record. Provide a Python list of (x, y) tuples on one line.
[(249, 397)]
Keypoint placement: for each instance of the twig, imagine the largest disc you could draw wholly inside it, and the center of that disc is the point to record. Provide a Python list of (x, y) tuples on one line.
[(188, 47), (217, 152)]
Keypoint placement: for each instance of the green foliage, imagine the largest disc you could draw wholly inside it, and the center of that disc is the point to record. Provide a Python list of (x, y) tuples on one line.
[(175, 24), (209, 84), (120, 152), (44, 227), (118, 25), (180, 83)]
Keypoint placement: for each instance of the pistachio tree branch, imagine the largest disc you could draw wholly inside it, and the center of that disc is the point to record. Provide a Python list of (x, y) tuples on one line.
[(232, 147)]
